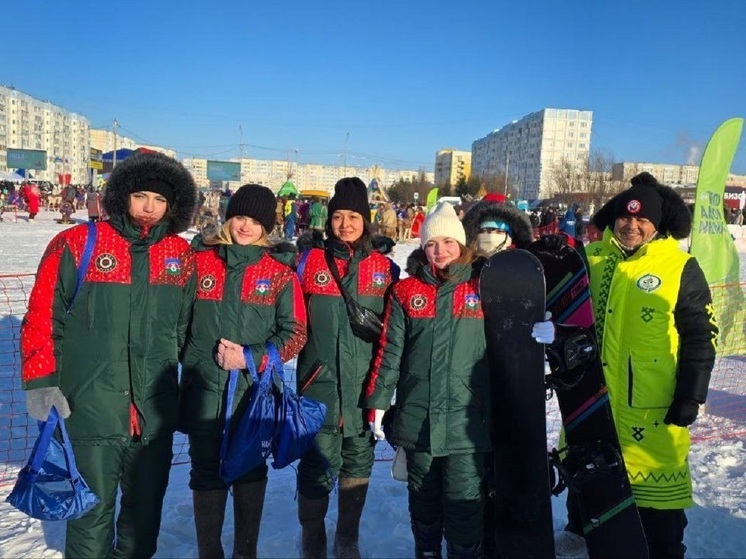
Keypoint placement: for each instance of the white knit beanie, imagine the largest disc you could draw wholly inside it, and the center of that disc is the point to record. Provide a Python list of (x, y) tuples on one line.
[(442, 222)]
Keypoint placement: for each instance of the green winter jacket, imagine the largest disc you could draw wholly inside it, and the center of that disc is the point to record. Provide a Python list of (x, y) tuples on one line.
[(246, 294), (115, 356), (434, 355), (334, 364)]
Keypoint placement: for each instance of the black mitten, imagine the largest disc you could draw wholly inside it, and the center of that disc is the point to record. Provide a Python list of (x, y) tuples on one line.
[(682, 413)]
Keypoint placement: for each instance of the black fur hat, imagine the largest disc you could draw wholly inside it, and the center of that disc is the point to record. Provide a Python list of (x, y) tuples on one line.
[(676, 219), (156, 172), (521, 232)]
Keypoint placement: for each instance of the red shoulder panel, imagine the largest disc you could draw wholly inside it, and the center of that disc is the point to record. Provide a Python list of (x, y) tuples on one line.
[(171, 262), (210, 275), (263, 281), (374, 275), (416, 297), (317, 279)]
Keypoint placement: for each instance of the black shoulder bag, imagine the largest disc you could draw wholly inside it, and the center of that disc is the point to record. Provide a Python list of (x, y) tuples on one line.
[(365, 324)]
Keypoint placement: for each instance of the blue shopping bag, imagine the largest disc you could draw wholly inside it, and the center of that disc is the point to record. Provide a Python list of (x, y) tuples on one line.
[(250, 443), (50, 487), (299, 419)]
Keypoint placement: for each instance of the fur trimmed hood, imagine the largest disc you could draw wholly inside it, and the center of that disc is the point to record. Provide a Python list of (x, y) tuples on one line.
[(522, 232), (676, 221), (134, 173)]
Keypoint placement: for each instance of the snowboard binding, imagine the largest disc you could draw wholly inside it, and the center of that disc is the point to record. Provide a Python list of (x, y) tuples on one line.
[(573, 347), (582, 464)]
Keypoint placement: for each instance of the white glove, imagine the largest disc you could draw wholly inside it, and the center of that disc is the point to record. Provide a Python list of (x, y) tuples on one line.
[(543, 332), (375, 425)]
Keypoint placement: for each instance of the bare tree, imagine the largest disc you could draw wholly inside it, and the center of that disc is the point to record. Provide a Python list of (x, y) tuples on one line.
[(589, 182)]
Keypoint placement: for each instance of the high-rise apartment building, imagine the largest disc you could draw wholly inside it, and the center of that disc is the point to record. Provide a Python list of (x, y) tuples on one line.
[(451, 165), (526, 150), (273, 173), (29, 123)]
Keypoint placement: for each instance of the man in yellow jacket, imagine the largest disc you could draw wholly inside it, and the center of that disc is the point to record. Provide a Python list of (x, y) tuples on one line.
[(657, 332)]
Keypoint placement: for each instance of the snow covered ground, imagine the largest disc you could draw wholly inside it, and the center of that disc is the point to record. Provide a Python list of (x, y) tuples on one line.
[(717, 524)]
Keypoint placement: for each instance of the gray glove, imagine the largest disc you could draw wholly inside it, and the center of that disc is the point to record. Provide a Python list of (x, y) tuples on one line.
[(39, 402)]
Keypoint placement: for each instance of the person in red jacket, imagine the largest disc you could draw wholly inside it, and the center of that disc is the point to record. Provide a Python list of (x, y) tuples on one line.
[(33, 197)]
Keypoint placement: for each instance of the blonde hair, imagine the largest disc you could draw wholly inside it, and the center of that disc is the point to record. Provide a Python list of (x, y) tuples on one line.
[(223, 237)]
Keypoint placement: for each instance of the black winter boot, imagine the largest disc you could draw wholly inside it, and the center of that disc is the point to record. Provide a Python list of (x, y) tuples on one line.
[(473, 551), (352, 493), (311, 513), (427, 540), (209, 513), (248, 503)]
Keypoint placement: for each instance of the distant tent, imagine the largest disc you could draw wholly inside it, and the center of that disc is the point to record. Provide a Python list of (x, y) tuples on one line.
[(287, 189), (375, 191), (122, 154)]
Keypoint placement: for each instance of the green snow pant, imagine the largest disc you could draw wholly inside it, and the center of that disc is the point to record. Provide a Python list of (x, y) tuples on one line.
[(336, 455), (448, 489), (141, 471)]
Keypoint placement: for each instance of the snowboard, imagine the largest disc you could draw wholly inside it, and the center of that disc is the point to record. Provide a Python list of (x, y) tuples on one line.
[(592, 467), (511, 287)]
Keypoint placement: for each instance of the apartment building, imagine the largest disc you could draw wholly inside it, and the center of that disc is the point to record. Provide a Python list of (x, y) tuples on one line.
[(274, 173), (667, 173), (34, 124), (451, 165), (527, 149)]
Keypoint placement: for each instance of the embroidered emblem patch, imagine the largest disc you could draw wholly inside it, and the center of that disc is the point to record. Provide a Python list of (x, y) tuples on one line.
[(471, 301), (634, 206), (649, 283), (173, 266), (321, 278), (106, 262), (418, 302), (262, 287), (207, 283), (379, 279)]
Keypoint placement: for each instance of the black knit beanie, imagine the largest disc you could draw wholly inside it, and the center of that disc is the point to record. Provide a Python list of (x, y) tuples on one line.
[(641, 200), (254, 201), (350, 194)]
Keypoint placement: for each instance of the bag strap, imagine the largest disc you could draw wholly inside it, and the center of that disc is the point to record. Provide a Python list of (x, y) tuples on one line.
[(274, 361), (85, 261), (46, 433), (301, 268), (67, 445), (332, 264)]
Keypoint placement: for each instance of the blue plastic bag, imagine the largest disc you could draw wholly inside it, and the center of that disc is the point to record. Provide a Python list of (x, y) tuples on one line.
[(250, 443), (299, 419), (50, 487)]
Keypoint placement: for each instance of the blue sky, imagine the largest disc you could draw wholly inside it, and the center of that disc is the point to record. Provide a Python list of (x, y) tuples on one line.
[(403, 78)]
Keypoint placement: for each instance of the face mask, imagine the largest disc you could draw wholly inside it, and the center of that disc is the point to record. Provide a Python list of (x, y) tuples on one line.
[(489, 243)]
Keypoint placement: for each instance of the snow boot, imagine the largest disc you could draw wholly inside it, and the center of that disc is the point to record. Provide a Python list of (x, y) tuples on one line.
[(473, 551), (311, 514), (248, 503), (428, 540), (209, 513), (352, 493)]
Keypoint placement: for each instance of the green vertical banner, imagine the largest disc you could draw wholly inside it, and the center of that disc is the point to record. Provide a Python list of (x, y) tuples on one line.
[(432, 197), (711, 242)]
